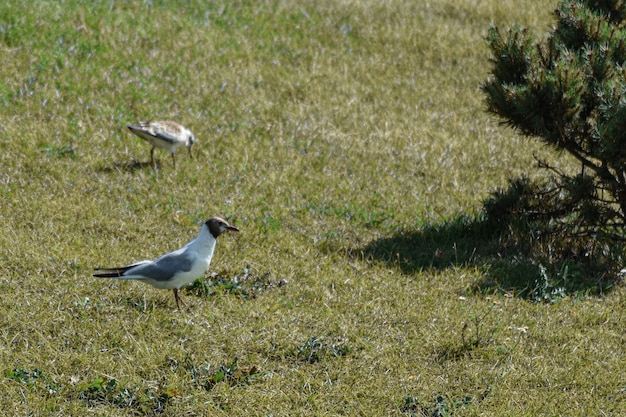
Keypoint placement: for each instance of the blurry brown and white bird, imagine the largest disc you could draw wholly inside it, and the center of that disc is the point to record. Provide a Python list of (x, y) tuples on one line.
[(164, 134), (178, 268)]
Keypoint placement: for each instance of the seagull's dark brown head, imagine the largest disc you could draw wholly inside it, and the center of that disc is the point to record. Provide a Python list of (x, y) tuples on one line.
[(217, 226)]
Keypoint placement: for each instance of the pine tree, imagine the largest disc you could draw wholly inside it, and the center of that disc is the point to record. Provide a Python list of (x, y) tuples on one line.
[(569, 91)]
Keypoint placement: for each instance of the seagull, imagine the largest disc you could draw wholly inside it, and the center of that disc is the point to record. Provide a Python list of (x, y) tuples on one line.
[(175, 269), (165, 134)]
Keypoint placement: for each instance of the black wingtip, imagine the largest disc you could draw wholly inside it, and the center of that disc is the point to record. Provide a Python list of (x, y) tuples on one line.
[(111, 272)]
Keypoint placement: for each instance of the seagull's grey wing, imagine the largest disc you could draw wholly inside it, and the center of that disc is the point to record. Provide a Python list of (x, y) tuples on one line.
[(165, 267)]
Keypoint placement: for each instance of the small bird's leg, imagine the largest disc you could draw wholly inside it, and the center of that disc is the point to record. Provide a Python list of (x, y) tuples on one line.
[(174, 160), (152, 155), (190, 155)]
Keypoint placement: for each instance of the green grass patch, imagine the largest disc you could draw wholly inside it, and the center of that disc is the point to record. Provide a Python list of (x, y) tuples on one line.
[(101, 391), (230, 374), (440, 406), (246, 285), (315, 349)]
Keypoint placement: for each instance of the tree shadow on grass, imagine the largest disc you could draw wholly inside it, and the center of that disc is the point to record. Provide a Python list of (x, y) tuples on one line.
[(508, 263)]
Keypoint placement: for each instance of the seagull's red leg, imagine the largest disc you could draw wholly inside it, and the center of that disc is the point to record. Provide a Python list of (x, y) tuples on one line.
[(178, 299)]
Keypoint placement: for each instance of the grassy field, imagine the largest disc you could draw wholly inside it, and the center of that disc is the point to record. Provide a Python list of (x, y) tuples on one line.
[(348, 140)]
